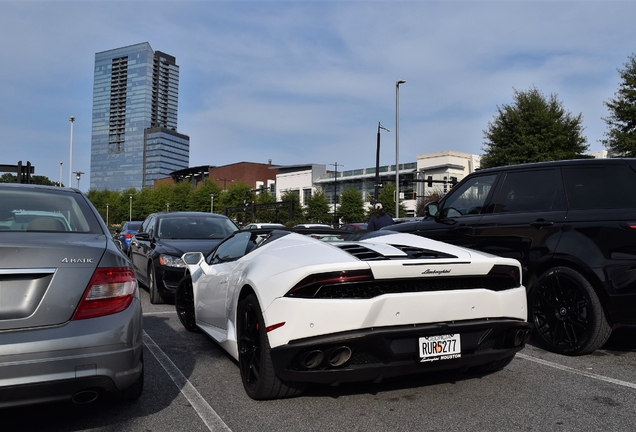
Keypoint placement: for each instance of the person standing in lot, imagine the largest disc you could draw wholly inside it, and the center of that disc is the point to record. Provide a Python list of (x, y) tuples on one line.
[(379, 219)]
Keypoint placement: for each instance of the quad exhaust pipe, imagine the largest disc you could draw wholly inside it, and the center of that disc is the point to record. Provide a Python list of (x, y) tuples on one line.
[(517, 338), (334, 358), (312, 359), (339, 356), (85, 397), (520, 336)]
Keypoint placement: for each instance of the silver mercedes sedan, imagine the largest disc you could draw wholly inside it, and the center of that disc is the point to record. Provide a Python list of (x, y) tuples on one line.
[(70, 313)]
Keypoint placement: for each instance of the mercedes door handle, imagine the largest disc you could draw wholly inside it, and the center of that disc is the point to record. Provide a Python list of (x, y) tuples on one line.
[(463, 227), (540, 223)]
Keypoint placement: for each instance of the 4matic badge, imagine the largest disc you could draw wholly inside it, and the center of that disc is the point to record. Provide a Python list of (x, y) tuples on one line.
[(77, 260)]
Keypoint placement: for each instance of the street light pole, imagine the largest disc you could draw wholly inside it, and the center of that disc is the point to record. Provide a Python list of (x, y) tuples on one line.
[(70, 158), (78, 175), (60, 185), (377, 165), (211, 203), (107, 214), (130, 209), (335, 194), (397, 147)]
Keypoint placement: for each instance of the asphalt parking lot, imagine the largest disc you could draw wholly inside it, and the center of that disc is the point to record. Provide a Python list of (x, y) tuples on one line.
[(192, 385)]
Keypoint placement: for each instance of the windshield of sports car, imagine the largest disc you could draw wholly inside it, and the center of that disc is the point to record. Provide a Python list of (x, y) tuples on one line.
[(239, 245), (194, 228)]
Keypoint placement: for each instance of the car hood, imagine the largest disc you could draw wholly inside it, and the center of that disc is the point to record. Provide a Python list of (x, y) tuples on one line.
[(177, 248), (43, 276)]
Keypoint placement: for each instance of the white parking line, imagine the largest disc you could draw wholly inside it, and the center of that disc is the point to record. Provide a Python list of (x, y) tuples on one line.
[(160, 312), (576, 371), (200, 405)]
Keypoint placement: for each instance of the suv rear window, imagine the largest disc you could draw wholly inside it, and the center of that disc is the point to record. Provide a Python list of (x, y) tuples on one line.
[(600, 186)]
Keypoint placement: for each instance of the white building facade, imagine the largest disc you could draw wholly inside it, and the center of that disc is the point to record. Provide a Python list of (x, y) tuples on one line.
[(444, 169), (298, 179)]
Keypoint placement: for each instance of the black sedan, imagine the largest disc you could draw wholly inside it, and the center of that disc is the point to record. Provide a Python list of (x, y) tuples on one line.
[(156, 249)]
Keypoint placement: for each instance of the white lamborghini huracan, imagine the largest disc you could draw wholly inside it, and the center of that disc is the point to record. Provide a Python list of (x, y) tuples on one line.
[(295, 309)]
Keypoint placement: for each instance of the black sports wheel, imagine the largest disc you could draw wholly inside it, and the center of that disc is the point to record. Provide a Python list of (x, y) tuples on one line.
[(155, 297), (567, 314), (184, 304), (257, 371)]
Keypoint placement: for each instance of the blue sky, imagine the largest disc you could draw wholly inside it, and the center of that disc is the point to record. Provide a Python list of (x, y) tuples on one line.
[(308, 81)]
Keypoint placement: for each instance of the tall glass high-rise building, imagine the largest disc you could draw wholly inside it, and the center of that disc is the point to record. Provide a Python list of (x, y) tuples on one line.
[(135, 99)]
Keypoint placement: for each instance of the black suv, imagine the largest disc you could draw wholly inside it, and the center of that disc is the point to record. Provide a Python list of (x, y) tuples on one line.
[(571, 224)]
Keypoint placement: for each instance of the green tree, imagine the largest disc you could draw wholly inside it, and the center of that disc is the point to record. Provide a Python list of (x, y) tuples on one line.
[(35, 179), (42, 180), (317, 210), (199, 199), (351, 206), (159, 197), (265, 215), (299, 217), (180, 197), (532, 129), (7, 178), (236, 195), (621, 123), (116, 213)]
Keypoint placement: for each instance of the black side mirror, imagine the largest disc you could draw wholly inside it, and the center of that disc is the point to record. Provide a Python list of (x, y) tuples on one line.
[(431, 209), (142, 236)]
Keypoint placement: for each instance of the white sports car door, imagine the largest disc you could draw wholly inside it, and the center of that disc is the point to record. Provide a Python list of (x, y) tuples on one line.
[(212, 287), (211, 295)]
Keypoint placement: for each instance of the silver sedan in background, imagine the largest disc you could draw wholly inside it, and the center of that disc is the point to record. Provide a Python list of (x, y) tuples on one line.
[(70, 313)]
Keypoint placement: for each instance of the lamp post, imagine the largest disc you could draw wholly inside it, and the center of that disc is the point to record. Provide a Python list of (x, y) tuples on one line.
[(397, 147), (211, 203), (61, 174), (106, 214), (130, 209), (376, 191), (78, 176), (335, 194), (70, 158)]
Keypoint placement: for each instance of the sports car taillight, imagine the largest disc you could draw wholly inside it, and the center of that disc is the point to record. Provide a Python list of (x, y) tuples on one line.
[(309, 287), (110, 290), (511, 273)]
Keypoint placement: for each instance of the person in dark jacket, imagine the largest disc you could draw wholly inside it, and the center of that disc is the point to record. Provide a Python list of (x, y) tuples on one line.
[(379, 219)]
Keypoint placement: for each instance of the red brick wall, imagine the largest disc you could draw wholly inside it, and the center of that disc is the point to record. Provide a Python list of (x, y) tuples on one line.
[(247, 172)]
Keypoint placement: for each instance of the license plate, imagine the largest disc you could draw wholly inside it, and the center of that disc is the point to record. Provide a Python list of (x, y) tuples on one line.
[(440, 347)]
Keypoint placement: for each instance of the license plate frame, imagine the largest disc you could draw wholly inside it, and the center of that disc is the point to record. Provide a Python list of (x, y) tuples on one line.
[(440, 347)]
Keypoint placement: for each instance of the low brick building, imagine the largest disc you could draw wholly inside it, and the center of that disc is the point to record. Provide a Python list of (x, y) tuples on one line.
[(252, 174)]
